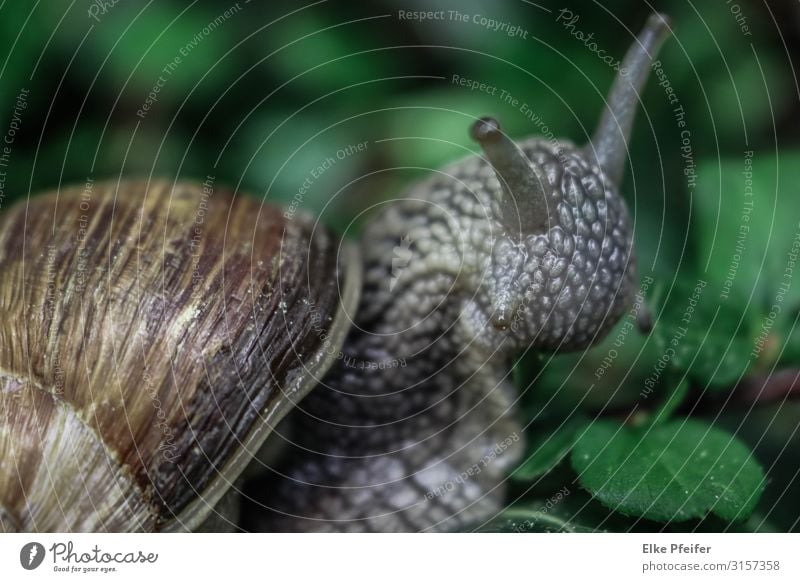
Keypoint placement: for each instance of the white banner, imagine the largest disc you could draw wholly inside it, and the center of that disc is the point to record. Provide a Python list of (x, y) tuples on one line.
[(406, 557)]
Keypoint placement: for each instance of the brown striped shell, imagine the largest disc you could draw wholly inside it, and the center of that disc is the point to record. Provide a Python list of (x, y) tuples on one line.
[(151, 335)]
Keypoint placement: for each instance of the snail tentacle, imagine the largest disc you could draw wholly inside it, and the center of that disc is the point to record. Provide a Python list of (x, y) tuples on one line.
[(610, 142), (523, 204)]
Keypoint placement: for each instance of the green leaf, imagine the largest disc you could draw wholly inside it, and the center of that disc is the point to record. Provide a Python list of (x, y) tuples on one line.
[(671, 472), (744, 238), (563, 508), (548, 450), (749, 246), (555, 508), (709, 340)]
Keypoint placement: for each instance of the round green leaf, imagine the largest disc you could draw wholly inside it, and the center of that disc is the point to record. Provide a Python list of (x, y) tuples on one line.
[(672, 472)]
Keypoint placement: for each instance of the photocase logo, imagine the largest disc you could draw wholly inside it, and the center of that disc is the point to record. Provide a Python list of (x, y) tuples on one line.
[(31, 555), (400, 259)]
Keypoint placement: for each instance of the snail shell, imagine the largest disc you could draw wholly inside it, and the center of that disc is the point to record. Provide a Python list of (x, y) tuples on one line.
[(151, 335)]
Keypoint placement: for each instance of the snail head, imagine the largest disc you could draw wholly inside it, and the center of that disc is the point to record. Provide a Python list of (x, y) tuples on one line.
[(562, 268)]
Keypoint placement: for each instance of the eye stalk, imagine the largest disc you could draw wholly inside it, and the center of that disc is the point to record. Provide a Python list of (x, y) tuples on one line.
[(523, 206), (610, 142)]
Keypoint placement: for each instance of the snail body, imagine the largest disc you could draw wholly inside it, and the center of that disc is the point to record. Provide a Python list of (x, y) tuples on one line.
[(144, 363)]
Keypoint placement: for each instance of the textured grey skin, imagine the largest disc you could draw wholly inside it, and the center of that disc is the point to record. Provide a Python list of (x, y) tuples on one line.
[(386, 448), (542, 261)]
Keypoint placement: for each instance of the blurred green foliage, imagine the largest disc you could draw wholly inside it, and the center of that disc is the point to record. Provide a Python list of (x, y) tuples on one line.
[(259, 94)]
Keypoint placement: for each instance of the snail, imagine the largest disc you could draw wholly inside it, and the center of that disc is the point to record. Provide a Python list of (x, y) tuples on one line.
[(153, 334)]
